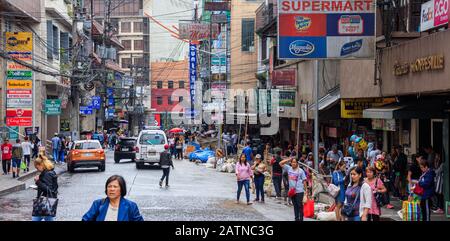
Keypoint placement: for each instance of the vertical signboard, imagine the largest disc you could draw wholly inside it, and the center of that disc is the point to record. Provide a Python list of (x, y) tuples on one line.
[(192, 73), (19, 83), (326, 29)]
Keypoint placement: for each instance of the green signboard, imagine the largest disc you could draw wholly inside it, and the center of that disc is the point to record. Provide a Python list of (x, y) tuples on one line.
[(287, 98), (13, 133), (219, 61), (19, 74), (53, 107)]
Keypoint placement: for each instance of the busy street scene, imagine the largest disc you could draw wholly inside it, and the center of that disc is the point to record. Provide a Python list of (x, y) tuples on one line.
[(227, 110)]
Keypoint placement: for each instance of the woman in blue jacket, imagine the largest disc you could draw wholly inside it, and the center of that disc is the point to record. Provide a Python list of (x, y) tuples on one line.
[(426, 181), (338, 180), (114, 207)]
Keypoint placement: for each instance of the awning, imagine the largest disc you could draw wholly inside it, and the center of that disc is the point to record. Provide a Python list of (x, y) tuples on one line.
[(385, 112), (327, 101), (431, 108)]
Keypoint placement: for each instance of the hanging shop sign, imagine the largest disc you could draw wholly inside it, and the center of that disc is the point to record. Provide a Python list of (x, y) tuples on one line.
[(384, 124), (353, 108), (285, 77), (19, 121), (434, 13), (198, 31), (53, 107), (326, 29), (19, 103), (18, 112), (65, 125), (217, 6), (429, 63), (287, 98), (29, 130), (19, 84), (19, 42), (219, 18), (192, 74)]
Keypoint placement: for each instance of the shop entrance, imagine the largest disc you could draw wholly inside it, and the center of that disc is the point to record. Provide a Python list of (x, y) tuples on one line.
[(437, 133)]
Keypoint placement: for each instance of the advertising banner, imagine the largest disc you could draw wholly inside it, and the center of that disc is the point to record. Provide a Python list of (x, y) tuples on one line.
[(192, 72), (326, 29), (19, 42), (285, 77), (198, 31), (19, 84), (353, 108), (19, 121), (287, 98), (433, 14)]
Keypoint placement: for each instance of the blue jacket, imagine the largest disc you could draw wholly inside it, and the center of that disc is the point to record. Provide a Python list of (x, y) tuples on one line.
[(426, 181), (338, 180), (128, 211)]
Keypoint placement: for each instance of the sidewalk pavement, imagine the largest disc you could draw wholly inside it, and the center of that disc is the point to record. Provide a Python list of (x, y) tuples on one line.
[(8, 184), (392, 214)]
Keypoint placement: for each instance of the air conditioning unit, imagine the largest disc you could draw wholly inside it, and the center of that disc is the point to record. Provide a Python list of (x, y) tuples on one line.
[(280, 109)]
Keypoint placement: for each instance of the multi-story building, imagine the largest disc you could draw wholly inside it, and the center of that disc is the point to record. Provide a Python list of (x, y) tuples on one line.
[(168, 77)]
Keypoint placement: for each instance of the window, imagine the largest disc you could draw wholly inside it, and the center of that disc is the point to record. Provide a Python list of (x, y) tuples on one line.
[(139, 61), (137, 27), (138, 44), (170, 84), (159, 100), (152, 139), (248, 35), (55, 42), (126, 62), (169, 100), (181, 84), (65, 47), (87, 146), (125, 27), (180, 98), (159, 84), (126, 44)]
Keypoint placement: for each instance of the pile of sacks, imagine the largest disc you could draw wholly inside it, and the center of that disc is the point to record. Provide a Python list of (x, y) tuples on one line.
[(228, 165), (201, 155)]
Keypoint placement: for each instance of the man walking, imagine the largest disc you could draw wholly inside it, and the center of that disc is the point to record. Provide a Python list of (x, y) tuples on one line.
[(17, 154), (248, 153), (56, 143), (277, 172), (334, 156), (27, 147), (166, 163), (6, 156)]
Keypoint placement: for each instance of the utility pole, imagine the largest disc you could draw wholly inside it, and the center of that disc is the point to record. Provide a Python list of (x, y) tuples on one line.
[(104, 73)]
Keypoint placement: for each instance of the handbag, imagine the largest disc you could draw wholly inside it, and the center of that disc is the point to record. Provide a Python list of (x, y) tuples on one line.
[(333, 189), (291, 192), (349, 208), (418, 190), (380, 198), (45, 206)]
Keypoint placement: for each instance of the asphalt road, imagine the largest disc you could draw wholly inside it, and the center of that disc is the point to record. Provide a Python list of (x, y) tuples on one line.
[(195, 193)]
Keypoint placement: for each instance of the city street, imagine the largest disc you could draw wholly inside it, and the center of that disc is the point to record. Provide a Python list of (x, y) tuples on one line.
[(195, 193)]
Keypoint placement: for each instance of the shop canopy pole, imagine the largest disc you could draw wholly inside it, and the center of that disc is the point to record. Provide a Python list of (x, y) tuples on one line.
[(316, 116)]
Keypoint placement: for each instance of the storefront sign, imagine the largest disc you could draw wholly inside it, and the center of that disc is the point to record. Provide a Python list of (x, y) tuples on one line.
[(19, 94), (19, 42), (326, 29), (192, 73), (19, 103), (19, 84), (15, 66), (65, 125), (353, 108), (198, 31), (433, 62), (285, 77), (219, 18), (433, 14), (19, 112), (53, 107), (19, 121), (19, 74), (217, 6), (85, 110), (384, 124), (287, 98)]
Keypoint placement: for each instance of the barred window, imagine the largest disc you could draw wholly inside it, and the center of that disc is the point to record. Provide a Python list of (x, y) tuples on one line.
[(248, 35)]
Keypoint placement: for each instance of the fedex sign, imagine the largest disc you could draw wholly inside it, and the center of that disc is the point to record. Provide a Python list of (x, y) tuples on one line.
[(433, 14)]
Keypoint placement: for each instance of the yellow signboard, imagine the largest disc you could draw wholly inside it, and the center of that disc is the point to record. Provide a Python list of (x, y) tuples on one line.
[(19, 84), (353, 108), (19, 42)]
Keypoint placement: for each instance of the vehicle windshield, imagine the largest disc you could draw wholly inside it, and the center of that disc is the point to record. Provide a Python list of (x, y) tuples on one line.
[(127, 142), (152, 139), (87, 146)]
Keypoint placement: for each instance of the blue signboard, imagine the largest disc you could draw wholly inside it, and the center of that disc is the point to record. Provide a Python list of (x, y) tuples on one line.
[(192, 72), (110, 95), (85, 110), (96, 102)]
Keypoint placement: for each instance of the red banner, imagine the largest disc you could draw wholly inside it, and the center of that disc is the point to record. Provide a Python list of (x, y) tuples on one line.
[(19, 113), (284, 77), (158, 119), (19, 121)]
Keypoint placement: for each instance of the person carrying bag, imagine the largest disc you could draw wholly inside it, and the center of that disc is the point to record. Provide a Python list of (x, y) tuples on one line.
[(46, 203)]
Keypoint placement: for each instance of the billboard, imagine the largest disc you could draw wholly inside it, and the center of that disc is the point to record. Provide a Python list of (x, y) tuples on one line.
[(20, 42), (217, 6), (326, 29), (433, 14), (284, 77), (198, 31)]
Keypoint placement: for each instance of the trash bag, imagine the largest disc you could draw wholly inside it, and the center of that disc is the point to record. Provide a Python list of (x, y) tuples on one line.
[(211, 160), (231, 168), (219, 164), (202, 155)]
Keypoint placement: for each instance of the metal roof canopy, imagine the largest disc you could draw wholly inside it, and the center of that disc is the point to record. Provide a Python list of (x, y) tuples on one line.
[(415, 109)]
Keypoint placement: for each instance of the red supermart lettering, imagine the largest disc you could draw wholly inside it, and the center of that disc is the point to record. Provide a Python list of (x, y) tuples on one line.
[(327, 6)]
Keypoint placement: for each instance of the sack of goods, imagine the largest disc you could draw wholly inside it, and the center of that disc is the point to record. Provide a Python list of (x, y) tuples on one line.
[(231, 168), (333, 190), (211, 160), (411, 211), (326, 216)]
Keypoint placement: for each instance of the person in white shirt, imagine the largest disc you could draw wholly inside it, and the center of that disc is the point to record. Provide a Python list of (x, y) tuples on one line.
[(374, 153), (27, 147)]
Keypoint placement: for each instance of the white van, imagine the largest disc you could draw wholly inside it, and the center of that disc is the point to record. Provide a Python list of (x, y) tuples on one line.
[(150, 143)]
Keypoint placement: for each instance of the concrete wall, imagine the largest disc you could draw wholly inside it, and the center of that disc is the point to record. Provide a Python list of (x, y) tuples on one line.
[(357, 78)]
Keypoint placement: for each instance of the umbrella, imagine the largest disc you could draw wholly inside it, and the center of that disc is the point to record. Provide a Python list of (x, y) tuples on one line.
[(176, 130)]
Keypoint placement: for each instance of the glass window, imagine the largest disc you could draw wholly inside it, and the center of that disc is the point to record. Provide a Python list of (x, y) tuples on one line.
[(126, 62), (170, 84), (126, 44), (138, 44), (180, 98), (181, 84), (137, 27), (169, 100), (87, 146), (152, 139), (159, 84), (248, 35), (125, 27), (159, 100)]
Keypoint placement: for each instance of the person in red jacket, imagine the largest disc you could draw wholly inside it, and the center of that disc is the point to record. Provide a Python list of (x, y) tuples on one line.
[(6, 156)]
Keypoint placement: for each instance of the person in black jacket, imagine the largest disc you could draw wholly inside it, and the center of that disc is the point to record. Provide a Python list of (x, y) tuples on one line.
[(46, 182), (165, 161)]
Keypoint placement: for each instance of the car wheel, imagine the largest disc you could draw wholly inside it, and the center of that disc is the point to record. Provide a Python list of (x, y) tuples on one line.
[(116, 160), (70, 168), (102, 168), (138, 166)]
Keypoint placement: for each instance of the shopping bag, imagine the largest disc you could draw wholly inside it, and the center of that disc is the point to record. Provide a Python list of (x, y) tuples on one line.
[(411, 211), (308, 209), (23, 166), (333, 190)]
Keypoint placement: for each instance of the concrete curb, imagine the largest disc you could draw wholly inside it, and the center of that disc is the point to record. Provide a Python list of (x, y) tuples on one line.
[(27, 175), (15, 188)]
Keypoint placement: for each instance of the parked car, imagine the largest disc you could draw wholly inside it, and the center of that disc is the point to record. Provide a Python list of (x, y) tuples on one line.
[(86, 153), (150, 144), (125, 149)]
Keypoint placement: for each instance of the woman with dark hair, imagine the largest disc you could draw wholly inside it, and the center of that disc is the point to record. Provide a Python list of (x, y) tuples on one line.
[(244, 174), (338, 180), (426, 181), (297, 183), (376, 186), (114, 207), (358, 197), (414, 172)]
